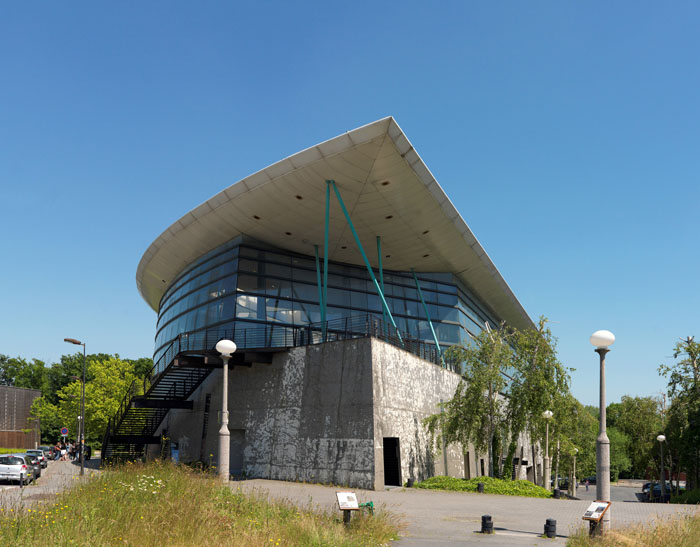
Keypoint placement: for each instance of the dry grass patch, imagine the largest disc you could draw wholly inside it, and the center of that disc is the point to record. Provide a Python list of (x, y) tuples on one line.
[(161, 504), (683, 531)]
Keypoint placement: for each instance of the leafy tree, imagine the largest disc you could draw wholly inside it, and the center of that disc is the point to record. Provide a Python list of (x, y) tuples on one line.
[(684, 389), (619, 452), (475, 412), (18, 372)]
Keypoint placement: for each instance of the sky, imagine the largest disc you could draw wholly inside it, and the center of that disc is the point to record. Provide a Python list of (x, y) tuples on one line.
[(566, 134)]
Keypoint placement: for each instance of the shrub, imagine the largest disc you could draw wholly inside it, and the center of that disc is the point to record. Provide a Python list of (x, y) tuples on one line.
[(491, 486), (687, 496)]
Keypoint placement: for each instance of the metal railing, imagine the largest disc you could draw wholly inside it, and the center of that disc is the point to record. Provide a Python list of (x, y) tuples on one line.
[(286, 336)]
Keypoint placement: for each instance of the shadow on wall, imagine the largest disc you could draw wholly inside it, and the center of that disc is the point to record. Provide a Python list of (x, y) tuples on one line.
[(420, 457)]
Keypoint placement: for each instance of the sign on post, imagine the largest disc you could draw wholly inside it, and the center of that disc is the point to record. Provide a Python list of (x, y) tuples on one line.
[(64, 432), (347, 501), (596, 510)]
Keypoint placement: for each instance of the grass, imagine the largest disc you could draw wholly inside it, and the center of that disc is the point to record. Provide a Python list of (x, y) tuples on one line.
[(13, 450), (683, 531), (491, 486), (162, 504)]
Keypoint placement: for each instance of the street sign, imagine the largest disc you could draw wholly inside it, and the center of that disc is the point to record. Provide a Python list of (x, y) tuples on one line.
[(64, 432)]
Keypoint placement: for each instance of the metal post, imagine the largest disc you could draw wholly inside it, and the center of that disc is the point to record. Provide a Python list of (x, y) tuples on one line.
[(663, 481), (224, 433), (364, 257), (82, 420), (325, 260), (427, 314), (603, 449), (573, 480), (547, 471), (318, 279)]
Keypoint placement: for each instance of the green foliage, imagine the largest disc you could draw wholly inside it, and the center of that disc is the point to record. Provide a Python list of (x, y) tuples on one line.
[(491, 486), (620, 450), (475, 412), (683, 425), (691, 497)]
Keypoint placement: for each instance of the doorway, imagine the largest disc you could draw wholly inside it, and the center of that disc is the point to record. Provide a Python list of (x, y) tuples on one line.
[(236, 452), (392, 462)]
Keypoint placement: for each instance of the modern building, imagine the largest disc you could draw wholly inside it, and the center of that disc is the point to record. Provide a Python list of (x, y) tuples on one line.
[(342, 273), (17, 427)]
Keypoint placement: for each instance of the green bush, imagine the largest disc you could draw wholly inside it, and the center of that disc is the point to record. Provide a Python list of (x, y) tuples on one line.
[(491, 486), (691, 497)]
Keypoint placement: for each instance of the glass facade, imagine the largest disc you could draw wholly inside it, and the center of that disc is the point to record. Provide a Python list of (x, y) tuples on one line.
[(248, 284)]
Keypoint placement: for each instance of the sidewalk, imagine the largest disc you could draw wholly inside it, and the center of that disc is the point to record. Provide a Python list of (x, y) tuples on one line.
[(55, 478)]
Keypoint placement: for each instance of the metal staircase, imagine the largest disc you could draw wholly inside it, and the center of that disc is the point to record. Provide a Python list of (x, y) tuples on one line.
[(191, 357)]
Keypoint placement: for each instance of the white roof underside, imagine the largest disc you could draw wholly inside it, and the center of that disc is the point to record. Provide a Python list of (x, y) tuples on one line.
[(359, 161)]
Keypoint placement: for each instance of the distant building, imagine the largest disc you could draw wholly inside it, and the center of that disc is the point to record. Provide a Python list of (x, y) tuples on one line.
[(17, 428), (338, 364)]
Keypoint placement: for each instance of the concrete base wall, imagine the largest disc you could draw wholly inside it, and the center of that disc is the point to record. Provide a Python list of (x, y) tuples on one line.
[(321, 414)]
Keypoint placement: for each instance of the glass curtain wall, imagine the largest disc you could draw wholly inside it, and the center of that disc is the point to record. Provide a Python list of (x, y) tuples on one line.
[(249, 284)]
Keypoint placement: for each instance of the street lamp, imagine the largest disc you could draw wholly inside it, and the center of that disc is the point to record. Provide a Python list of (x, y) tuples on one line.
[(226, 348), (547, 415), (574, 481), (82, 407), (602, 339), (661, 439)]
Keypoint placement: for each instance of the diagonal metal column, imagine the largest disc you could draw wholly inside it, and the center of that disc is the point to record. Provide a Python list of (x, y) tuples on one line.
[(364, 257), (427, 314)]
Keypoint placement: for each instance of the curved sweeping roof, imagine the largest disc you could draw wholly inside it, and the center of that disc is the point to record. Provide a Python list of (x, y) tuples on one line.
[(388, 191)]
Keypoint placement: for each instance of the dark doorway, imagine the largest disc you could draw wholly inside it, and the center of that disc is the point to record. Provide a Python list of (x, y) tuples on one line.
[(236, 452), (392, 462)]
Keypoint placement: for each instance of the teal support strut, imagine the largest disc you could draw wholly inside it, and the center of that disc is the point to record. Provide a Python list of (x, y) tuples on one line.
[(325, 260), (318, 279), (364, 257), (427, 314), (381, 270)]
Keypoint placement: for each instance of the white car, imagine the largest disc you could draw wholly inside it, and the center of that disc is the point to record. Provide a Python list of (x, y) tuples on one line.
[(16, 468)]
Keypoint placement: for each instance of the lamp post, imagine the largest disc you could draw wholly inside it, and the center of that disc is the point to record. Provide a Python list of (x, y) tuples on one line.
[(547, 415), (661, 439), (574, 481), (602, 339), (226, 348), (82, 407)]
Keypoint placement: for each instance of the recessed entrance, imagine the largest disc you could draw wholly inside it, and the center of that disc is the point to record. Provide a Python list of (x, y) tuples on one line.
[(392, 462)]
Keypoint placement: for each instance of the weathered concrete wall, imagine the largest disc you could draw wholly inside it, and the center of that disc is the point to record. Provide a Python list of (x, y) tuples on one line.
[(406, 391), (321, 413)]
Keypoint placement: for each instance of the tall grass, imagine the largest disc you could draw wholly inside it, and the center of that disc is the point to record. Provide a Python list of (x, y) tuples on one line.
[(162, 504), (683, 531)]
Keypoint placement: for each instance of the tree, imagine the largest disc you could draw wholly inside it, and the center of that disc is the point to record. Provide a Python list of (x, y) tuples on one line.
[(474, 414), (539, 383), (684, 390)]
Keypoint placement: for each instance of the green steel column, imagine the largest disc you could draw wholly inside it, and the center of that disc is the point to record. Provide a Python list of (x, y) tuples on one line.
[(325, 260), (427, 314), (364, 256), (381, 270)]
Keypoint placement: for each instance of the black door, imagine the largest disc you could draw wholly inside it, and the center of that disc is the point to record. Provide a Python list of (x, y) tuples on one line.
[(392, 462)]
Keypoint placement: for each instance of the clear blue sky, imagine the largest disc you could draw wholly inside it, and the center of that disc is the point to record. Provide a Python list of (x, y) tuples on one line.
[(566, 133)]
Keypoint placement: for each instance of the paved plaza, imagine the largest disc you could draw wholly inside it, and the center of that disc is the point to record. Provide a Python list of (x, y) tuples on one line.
[(431, 517)]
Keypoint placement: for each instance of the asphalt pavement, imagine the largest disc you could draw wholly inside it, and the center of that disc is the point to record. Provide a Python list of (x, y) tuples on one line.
[(431, 517)]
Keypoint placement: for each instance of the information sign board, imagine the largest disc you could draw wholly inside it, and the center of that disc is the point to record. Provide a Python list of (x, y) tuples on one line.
[(596, 510), (347, 501)]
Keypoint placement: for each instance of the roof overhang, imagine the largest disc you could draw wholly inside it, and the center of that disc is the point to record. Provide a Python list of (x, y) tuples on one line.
[(388, 191)]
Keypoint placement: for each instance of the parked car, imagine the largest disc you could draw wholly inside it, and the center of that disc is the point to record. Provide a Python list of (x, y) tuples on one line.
[(34, 461), (591, 479), (48, 451), (15, 467), (41, 457)]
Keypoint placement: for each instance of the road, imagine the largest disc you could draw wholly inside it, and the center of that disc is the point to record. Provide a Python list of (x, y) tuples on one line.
[(431, 517)]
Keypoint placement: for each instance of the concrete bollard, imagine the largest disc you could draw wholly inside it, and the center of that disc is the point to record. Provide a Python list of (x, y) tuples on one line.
[(557, 493), (480, 488), (550, 528), (409, 483), (486, 524)]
